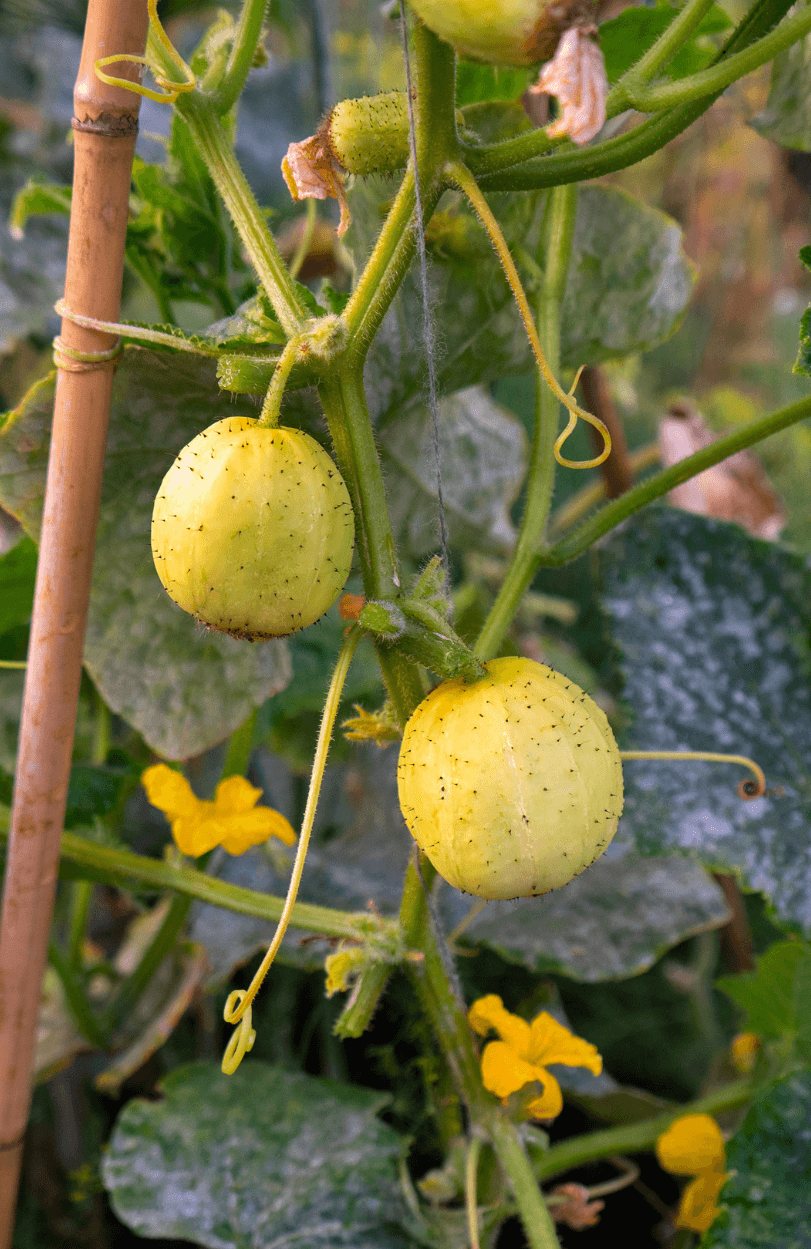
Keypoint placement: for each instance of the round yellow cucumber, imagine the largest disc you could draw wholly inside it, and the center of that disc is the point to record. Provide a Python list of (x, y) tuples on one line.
[(505, 32), (511, 785), (252, 529)]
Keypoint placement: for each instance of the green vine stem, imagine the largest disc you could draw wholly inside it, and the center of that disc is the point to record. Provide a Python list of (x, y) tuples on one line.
[(238, 755), (538, 1223), (214, 146), (81, 894), (91, 861), (243, 51), (618, 510), (633, 1138), (672, 38), (390, 258), (718, 77), (96, 1033), (269, 416), (471, 1186), (572, 165), (437, 145), (558, 248), (161, 945)]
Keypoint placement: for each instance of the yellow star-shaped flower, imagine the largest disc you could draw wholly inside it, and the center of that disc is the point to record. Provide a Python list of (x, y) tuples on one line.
[(693, 1145), (232, 820), (525, 1051)]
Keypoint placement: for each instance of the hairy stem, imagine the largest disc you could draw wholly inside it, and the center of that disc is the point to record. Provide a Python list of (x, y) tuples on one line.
[(212, 142), (243, 51), (538, 1224), (718, 77), (673, 37)]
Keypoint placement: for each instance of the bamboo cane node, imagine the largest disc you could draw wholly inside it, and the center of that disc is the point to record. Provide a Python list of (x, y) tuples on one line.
[(15, 1144), (108, 125), (72, 361)]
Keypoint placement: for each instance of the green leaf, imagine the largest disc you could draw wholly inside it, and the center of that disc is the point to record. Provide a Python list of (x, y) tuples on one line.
[(625, 38), (475, 82), (777, 996), (263, 1158), (712, 633), (182, 689), (38, 198), (615, 920), (803, 364), (482, 453), (630, 280), (766, 1201), (786, 117), (629, 285), (18, 569)]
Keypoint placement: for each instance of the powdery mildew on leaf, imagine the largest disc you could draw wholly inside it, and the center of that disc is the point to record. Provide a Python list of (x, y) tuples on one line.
[(262, 1158), (712, 629)]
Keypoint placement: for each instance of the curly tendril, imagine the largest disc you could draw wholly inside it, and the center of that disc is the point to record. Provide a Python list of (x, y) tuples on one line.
[(243, 1036), (238, 1007), (170, 88), (748, 790), (463, 178)]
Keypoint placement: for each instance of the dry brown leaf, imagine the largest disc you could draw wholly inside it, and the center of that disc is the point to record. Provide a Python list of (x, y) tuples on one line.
[(577, 1212), (736, 490), (311, 173), (576, 77)]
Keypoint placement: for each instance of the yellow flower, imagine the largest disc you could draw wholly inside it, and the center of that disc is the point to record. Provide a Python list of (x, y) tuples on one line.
[(232, 820), (525, 1051), (744, 1051), (693, 1145)]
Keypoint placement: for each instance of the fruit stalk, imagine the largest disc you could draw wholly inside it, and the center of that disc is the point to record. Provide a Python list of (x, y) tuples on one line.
[(105, 128)]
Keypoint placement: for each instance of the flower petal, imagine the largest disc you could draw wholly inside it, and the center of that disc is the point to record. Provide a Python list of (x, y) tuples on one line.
[(550, 1103), (744, 1051), (169, 791), (235, 794), (699, 1201), (197, 834), (488, 1012), (551, 1042), (693, 1143), (237, 833), (504, 1072)]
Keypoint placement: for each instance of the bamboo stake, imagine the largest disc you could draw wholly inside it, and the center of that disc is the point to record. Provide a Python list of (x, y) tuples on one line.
[(105, 127)]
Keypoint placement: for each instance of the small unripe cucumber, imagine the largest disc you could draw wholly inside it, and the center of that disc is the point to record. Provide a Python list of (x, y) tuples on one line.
[(252, 529), (511, 785), (370, 135), (505, 32)]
